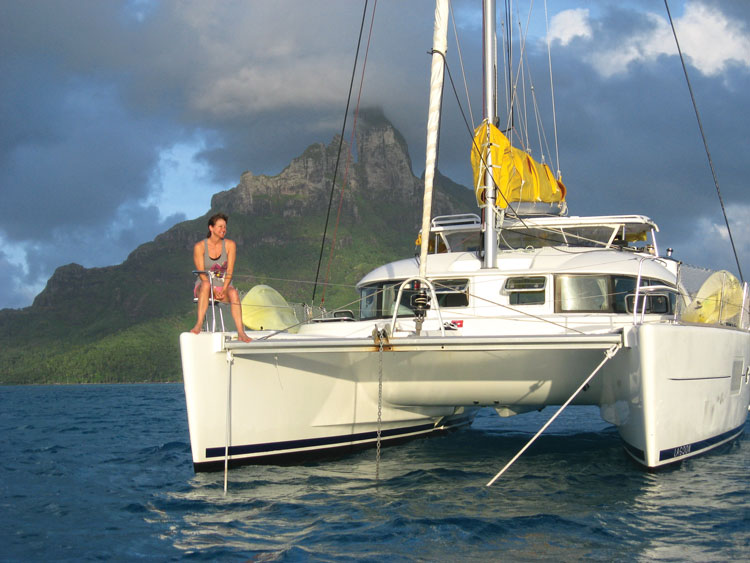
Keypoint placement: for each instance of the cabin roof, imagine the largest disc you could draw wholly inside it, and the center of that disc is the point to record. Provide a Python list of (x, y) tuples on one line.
[(540, 261)]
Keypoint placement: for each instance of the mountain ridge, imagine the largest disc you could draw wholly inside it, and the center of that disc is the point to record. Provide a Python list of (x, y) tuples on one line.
[(92, 324)]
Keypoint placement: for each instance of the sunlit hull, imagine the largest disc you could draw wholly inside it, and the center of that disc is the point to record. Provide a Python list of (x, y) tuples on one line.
[(685, 393), (673, 391)]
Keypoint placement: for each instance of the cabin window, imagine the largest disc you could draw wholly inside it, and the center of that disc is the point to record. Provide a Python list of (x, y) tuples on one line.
[(623, 286), (538, 237), (609, 294), (452, 293), (578, 294), (368, 303), (527, 290), (378, 301), (658, 303), (462, 241)]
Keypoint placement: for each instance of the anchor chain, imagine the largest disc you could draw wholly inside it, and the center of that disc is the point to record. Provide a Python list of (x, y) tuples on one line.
[(380, 405)]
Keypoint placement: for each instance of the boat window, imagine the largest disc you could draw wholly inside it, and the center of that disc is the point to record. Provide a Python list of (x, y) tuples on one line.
[(528, 290), (390, 293), (582, 293), (538, 237), (659, 304), (368, 302), (623, 286), (611, 294), (452, 293), (462, 241), (378, 301)]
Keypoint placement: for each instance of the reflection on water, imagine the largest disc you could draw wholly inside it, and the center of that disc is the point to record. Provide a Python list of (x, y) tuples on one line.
[(573, 495), (104, 472), (699, 509)]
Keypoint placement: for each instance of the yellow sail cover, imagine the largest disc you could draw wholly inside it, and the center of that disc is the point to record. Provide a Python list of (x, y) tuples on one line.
[(519, 177)]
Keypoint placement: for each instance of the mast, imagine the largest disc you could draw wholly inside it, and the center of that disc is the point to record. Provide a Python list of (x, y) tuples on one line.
[(490, 113), (439, 47)]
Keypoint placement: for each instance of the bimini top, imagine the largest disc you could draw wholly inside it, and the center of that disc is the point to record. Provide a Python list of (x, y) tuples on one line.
[(606, 231), (461, 233)]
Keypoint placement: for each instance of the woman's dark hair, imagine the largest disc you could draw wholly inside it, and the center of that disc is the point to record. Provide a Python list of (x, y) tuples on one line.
[(212, 221)]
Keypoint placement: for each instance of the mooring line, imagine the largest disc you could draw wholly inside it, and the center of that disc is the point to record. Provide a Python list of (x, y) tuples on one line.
[(228, 427), (380, 336), (609, 354)]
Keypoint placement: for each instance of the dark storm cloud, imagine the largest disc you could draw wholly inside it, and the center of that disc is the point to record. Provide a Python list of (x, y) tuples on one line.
[(93, 93)]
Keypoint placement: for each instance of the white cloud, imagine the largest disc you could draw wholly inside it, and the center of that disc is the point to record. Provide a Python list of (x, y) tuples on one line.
[(645, 46), (248, 59), (710, 40), (263, 87), (569, 24)]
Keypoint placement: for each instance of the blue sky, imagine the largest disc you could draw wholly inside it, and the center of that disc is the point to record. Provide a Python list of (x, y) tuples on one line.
[(119, 119)]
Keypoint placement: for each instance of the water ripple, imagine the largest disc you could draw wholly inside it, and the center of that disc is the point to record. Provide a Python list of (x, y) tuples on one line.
[(105, 472)]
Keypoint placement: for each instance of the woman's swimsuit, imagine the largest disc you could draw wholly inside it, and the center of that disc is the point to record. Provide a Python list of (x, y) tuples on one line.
[(216, 265)]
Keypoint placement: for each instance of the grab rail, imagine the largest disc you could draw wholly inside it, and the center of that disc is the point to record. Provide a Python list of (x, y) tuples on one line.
[(646, 289), (434, 300)]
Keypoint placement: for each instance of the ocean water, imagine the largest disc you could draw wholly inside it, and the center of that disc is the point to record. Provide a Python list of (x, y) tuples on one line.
[(104, 472)]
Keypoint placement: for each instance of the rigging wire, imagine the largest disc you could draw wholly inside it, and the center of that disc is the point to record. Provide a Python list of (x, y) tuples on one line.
[(338, 156), (508, 27), (349, 155), (552, 92), (705, 142), (461, 64)]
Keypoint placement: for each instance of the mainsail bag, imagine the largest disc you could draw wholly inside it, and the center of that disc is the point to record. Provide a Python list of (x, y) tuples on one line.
[(518, 177)]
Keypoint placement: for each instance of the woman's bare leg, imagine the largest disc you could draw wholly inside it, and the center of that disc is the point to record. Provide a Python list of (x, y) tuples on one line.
[(203, 295), (236, 308)]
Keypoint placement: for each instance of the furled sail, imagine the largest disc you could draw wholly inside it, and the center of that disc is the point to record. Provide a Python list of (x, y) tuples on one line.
[(518, 177)]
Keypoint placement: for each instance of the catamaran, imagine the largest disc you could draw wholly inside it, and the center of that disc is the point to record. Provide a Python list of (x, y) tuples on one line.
[(517, 308)]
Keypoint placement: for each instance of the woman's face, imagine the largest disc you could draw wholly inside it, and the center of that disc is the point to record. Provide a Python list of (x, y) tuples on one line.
[(219, 228)]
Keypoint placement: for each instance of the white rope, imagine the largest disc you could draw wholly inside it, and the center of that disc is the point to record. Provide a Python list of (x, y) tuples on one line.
[(380, 336), (609, 354), (228, 427)]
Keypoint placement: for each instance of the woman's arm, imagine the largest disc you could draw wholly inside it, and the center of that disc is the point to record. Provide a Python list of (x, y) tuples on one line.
[(231, 257), (198, 259)]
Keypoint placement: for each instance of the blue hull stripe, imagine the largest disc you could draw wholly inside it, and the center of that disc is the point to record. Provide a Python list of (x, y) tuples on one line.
[(326, 441), (695, 447)]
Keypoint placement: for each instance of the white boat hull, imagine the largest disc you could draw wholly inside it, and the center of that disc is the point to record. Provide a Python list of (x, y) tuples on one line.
[(673, 391), (292, 398), (685, 392)]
